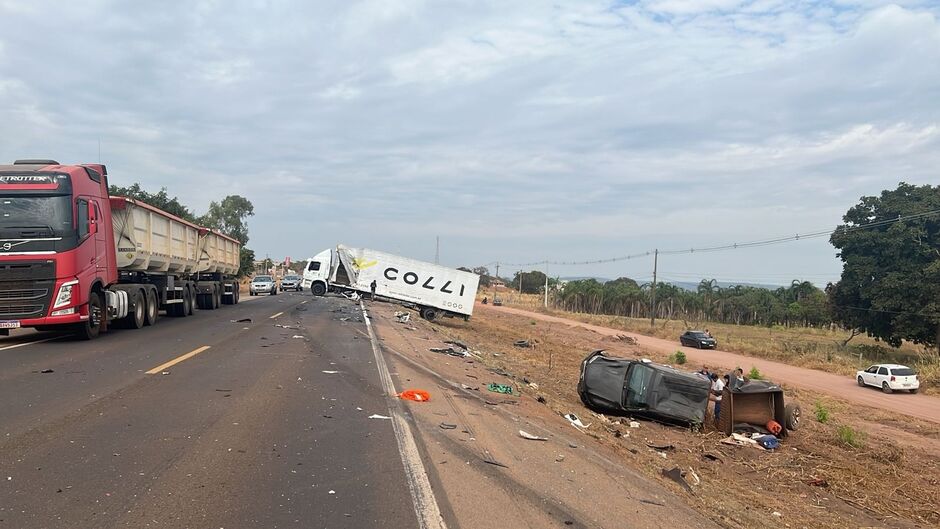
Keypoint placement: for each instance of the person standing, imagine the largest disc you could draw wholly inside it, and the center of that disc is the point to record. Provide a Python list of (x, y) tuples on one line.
[(717, 387), (372, 288)]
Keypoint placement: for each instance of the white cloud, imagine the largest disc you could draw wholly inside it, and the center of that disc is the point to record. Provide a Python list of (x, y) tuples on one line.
[(512, 129)]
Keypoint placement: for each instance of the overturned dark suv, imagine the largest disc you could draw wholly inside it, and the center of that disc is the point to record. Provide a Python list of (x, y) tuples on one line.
[(643, 388)]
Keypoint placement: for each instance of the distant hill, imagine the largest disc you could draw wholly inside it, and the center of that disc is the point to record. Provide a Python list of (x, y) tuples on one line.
[(693, 286)]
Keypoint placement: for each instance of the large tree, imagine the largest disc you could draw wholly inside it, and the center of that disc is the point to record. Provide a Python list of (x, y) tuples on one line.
[(890, 284)]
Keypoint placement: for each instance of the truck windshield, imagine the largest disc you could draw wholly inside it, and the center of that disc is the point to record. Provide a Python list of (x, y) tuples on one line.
[(54, 213)]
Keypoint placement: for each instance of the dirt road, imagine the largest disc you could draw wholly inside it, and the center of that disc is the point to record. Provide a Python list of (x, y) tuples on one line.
[(921, 406)]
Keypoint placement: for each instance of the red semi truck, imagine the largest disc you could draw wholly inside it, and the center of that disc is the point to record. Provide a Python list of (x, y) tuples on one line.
[(73, 257)]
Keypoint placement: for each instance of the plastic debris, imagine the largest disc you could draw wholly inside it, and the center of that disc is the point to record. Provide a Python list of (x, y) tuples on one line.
[(416, 395), (377, 416), (331, 372), (403, 317), (446, 426), (675, 474), (449, 351), (575, 421), (634, 424), (500, 388), (526, 435), (296, 336), (736, 439)]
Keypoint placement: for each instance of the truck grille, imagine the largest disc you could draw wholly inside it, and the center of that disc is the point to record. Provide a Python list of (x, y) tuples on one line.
[(26, 288)]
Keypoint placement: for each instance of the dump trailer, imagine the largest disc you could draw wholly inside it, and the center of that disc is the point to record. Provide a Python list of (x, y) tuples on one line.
[(432, 289), (73, 257)]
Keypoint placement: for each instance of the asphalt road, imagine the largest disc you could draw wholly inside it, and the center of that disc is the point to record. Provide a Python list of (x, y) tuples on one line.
[(263, 426)]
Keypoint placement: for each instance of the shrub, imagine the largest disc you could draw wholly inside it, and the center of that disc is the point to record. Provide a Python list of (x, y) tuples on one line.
[(822, 413), (755, 374), (850, 437), (677, 357)]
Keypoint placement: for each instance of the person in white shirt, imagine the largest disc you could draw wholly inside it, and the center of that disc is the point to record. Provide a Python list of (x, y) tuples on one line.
[(717, 387)]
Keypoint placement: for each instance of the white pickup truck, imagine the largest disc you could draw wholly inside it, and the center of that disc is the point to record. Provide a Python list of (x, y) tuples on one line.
[(431, 289)]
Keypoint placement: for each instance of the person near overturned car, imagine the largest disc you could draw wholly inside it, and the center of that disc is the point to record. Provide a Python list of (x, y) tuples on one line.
[(372, 288), (717, 387)]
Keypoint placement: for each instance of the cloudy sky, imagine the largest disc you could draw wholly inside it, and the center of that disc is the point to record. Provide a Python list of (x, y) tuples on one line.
[(516, 131)]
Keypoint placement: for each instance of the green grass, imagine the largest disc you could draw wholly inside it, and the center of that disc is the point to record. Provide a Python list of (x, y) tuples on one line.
[(822, 413), (850, 436), (755, 374)]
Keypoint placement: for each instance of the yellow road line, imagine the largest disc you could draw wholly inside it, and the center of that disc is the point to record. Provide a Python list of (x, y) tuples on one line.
[(275, 316), (177, 360)]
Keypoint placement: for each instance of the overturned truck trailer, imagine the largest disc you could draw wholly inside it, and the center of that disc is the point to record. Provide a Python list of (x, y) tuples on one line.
[(432, 289)]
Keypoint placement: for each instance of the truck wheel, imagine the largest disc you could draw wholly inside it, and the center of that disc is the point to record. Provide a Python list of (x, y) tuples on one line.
[(91, 328), (135, 320), (153, 311), (318, 289), (428, 313), (235, 294), (791, 416)]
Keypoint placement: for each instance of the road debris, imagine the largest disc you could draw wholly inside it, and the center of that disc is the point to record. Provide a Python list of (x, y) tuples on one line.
[(712, 457), (403, 317), (446, 426), (416, 395), (675, 474), (243, 320), (494, 463), (526, 435), (661, 446), (575, 421), (449, 351), (500, 388), (330, 372), (634, 424), (522, 343), (296, 336), (377, 416), (818, 482), (47, 371)]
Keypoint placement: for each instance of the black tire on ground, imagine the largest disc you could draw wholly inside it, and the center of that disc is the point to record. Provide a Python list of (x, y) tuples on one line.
[(885, 388), (318, 289), (913, 390), (152, 311), (428, 313), (138, 317), (91, 328), (861, 381), (792, 415)]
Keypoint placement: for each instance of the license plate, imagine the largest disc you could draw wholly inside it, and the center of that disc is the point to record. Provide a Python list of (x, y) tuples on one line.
[(9, 324), (907, 385)]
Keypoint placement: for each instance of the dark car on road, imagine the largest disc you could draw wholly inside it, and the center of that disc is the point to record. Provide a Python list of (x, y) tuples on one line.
[(698, 339), (642, 388)]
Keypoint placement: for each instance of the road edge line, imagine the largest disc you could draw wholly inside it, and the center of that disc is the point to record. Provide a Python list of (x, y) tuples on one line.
[(422, 495), (24, 344)]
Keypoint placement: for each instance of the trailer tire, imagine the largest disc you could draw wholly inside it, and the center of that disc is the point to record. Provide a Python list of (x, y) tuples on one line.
[(318, 289), (91, 328), (428, 313), (152, 311), (136, 319)]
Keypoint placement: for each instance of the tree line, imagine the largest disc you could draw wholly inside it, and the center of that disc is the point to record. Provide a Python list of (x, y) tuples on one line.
[(889, 287)]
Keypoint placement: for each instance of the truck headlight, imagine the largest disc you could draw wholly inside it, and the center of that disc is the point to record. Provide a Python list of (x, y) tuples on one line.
[(64, 296)]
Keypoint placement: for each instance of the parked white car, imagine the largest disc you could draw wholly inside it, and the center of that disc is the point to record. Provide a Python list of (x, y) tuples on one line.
[(262, 285), (889, 377)]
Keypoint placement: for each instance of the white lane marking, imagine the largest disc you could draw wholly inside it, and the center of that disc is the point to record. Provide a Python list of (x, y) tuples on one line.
[(24, 344), (426, 508), (275, 316)]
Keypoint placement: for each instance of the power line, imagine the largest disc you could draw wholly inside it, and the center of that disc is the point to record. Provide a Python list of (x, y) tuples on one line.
[(735, 246)]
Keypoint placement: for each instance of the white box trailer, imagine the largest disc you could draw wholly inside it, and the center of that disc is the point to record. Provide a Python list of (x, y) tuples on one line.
[(431, 289)]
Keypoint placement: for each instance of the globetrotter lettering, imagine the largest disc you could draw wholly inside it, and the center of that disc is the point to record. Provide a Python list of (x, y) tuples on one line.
[(392, 274)]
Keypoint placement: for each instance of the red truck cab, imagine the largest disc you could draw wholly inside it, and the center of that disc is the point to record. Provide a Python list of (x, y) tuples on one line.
[(56, 246)]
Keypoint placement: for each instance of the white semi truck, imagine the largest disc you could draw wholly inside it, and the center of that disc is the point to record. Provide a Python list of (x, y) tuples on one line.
[(432, 289)]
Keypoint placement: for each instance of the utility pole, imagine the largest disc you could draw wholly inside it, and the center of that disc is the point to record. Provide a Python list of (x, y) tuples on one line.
[(494, 282), (437, 250), (546, 285), (653, 289)]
